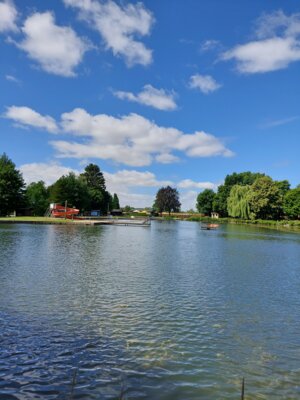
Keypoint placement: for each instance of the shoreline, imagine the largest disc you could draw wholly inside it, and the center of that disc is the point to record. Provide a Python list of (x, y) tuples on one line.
[(62, 221), (290, 226)]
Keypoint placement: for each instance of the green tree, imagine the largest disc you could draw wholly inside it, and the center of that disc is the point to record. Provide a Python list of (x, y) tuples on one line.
[(238, 203), (37, 197), (100, 198), (167, 199), (11, 186), (283, 186), (242, 178), (265, 199), (115, 202), (94, 177), (220, 200), (127, 209), (72, 189), (291, 203), (205, 201)]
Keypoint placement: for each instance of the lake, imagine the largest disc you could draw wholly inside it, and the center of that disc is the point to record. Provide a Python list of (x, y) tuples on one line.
[(167, 312)]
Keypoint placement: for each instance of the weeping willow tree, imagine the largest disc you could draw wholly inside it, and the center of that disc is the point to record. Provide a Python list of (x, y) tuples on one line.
[(238, 205)]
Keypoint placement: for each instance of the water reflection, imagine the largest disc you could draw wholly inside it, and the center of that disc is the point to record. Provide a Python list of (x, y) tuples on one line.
[(170, 312)]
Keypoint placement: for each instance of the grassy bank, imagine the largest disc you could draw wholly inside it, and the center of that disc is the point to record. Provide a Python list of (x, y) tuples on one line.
[(284, 224), (294, 224), (34, 220)]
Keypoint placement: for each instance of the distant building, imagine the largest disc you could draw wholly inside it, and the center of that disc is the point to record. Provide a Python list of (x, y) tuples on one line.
[(116, 212), (215, 215)]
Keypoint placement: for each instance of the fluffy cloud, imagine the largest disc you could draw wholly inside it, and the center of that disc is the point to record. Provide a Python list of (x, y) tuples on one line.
[(131, 139), (47, 172), (277, 45), (8, 16), (123, 180), (189, 184), (118, 27), (188, 200), (205, 83), (166, 158), (150, 96), (57, 49), (25, 116)]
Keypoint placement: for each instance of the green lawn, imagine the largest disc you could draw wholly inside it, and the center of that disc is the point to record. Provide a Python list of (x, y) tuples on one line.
[(45, 220)]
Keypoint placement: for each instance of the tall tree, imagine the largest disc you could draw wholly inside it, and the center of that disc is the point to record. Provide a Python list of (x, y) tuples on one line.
[(238, 202), (167, 199), (94, 177), (11, 186), (205, 201), (220, 200), (265, 199), (115, 202), (99, 197), (291, 203), (37, 197)]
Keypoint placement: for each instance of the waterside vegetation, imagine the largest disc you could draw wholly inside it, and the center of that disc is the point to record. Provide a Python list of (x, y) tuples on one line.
[(245, 198)]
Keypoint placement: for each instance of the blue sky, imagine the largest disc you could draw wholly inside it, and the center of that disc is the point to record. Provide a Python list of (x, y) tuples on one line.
[(155, 92)]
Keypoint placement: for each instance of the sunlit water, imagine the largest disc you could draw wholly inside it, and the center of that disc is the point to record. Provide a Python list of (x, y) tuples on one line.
[(167, 312)]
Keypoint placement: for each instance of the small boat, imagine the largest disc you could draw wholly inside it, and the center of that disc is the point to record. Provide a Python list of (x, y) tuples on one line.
[(208, 227), (59, 211)]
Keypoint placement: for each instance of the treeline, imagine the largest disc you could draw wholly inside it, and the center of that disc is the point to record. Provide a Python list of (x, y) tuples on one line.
[(249, 195), (86, 191)]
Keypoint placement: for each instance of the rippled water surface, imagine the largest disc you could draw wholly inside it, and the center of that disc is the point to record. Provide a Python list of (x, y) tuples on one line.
[(167, 312)]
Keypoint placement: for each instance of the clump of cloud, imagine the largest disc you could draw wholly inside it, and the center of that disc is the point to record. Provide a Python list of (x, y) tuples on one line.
[(8, 16), (150, 96), (120, 26), (56, 49), (25, 116), (131, 139), (205, 83), (190, 184), (47, 172), (277, 45)]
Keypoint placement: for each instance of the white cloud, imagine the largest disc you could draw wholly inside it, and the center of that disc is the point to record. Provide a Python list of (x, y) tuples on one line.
[(118, 26), (278, 24), (189, 184), (210, 44), (265, 55), (57, 49), (131, 139), (125, 179), (277, 45), (25, 116), (12, 78), (205, 83), (166, 158), (8, 16), (47, 172), (150, 96), (188, 200)]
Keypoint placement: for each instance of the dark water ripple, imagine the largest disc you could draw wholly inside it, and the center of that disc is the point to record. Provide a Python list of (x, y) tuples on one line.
[(170, 312)]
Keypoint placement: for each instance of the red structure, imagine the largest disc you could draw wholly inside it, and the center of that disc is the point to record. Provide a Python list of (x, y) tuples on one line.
[(59, 211)]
